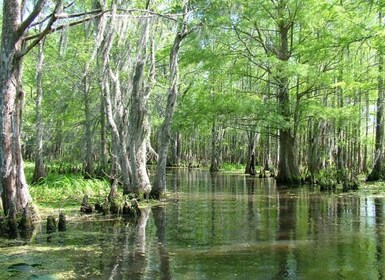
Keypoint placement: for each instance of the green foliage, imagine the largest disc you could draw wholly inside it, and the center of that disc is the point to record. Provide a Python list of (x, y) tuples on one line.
[(58, 191), (233, 167)]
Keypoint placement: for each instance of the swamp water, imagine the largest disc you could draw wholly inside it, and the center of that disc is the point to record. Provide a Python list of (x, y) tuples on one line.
[(219, 226)]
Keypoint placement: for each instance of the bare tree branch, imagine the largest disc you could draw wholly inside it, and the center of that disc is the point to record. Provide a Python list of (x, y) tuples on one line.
[(46, 30), (35, 12), (49, 16)]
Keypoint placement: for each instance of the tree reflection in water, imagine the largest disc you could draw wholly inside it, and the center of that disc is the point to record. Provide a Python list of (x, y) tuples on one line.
[(222, 226)]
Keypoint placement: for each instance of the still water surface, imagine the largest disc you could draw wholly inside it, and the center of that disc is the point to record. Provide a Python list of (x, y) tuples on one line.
[(220, 226)]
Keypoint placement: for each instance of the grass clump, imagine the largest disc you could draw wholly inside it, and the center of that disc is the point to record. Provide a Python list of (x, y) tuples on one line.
[(62, 190), (235, 167), (65, 190)]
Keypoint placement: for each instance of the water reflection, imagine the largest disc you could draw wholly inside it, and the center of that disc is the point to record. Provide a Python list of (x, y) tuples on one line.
[(379, 214), (222, 226), (159, 214)]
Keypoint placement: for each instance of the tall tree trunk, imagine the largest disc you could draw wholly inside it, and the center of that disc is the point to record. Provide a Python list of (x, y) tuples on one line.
[(13, 185), (175, 149), (367, 120), (358, 135), (288, 170), (214, 164), (39, 171), (139, 126), (118, 136), (159, 185), (89, 159), (103, 139), (115, 111), (377, 172)]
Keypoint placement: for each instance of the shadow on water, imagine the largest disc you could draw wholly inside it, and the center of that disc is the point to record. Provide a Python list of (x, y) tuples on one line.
[(217, 226)]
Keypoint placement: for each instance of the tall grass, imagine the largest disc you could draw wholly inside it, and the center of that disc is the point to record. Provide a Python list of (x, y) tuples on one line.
[(237, 167), (65, 190)]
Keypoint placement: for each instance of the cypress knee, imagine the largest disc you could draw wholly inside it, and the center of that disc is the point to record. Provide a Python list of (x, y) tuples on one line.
[(62, 226), (26, 219), (51, 224)]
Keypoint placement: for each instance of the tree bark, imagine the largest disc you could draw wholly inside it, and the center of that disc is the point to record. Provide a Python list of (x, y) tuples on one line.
[(377, 172), (139, 126), (216, 147), (315, 148), (13, 185), (250, 166), (288, 170), (115, 111), (367, 120), (87, 111), (118, 136), (103, 139), (214, 165), (175, 149), (39, 171), (159, 185)]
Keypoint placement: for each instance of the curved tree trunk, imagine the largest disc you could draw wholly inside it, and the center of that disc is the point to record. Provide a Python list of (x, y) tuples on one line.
[(115, 114), (159, 186)]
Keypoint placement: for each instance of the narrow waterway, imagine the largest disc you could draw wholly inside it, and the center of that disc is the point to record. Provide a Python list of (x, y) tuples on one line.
[(218, 226)]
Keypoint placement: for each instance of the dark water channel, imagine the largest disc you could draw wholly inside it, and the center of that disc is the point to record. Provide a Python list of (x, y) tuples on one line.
[(218, 226)]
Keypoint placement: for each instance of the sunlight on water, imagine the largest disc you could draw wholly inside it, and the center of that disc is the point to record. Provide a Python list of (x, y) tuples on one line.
[(218, 226)]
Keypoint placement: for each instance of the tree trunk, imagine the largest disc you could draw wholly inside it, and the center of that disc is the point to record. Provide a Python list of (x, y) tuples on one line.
[(15, 194), (288, 170), (115, 111), (215, 161), (377, 172), (139, 126), (89, 160), (367, 120), (39, 172), (103, 139), (175, 150), (159, 185), (120, 155), (314, 148), (250, 161)]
